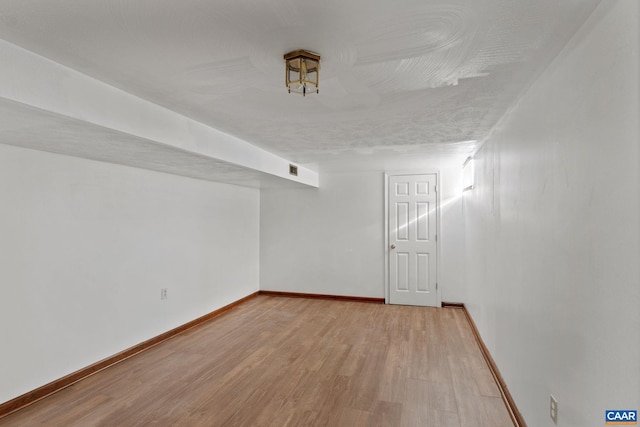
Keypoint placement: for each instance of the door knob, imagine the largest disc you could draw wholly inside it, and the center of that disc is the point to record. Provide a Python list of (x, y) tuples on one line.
[(393, 246)]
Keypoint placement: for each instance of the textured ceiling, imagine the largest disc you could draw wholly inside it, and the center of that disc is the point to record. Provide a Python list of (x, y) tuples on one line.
[(399, 78)]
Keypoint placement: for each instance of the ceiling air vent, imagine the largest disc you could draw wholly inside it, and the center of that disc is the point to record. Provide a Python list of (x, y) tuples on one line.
[(293, 170)]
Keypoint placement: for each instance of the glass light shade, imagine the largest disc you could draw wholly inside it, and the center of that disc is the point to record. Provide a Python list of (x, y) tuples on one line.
[(302, 71)]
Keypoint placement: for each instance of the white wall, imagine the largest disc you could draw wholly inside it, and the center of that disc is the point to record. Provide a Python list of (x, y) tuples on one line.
[(331, 240), (86, 247), (452, 276), (553, 231), (326, 240)]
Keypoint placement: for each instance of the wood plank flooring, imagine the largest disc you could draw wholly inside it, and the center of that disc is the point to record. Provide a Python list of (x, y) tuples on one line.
[(278, 361)]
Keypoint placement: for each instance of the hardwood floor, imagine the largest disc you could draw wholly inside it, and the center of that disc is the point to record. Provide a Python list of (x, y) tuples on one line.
[(278, 361)]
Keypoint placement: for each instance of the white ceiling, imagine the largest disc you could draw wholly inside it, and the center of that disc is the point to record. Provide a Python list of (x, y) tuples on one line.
[(398, 78)]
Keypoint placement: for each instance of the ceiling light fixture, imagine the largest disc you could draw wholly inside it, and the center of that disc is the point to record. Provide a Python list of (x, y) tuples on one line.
[(302, 71)]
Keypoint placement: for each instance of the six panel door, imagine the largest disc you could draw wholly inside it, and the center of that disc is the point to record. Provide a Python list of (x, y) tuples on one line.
[(412, 239)]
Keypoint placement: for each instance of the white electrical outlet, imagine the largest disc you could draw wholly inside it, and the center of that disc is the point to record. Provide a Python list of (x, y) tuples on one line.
[(163, 293), (553, 409)]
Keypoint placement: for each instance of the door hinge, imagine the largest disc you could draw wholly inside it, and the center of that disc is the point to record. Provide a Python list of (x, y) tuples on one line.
[(436, 286)]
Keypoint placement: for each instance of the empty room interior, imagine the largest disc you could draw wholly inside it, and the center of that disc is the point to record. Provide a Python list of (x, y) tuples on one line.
[(270, 213)]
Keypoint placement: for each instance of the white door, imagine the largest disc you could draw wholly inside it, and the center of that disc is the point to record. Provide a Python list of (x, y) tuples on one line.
[(412, 246)]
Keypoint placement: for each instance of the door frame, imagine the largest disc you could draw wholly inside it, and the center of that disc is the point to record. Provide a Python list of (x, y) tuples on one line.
[(386, 229)]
